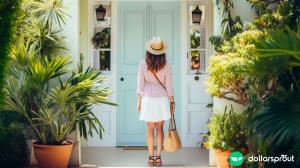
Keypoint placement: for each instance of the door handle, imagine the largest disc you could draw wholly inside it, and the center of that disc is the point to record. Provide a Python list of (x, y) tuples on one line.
[(196, 78), (122, 79)]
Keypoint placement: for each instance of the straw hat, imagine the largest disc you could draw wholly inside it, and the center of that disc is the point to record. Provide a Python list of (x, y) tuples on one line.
[(156, 46)]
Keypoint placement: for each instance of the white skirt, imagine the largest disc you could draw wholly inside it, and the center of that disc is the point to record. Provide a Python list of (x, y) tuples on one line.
[(154, 109)]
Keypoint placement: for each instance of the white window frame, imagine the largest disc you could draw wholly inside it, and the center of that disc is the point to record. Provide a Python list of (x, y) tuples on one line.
[(205, 25), (93, 26)]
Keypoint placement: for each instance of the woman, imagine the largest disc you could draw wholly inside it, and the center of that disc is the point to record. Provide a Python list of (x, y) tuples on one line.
[(155, 95)]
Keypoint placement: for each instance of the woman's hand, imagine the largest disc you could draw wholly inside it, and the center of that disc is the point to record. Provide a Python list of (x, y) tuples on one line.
[(172, 104), (172, 107), (139, 107)]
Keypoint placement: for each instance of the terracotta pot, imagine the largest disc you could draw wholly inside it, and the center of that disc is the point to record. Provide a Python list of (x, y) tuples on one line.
[(222, 158), (52, 156)]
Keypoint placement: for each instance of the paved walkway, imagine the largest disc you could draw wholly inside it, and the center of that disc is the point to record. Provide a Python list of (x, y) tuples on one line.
[(118, 157)]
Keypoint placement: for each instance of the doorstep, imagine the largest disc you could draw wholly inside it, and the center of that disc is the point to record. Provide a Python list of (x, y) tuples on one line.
[(93, 157)]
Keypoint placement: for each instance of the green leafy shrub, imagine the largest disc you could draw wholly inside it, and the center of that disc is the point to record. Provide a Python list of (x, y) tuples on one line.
[(217, 42), (276, 14), (227, 131), (14, 152), (225, 80)]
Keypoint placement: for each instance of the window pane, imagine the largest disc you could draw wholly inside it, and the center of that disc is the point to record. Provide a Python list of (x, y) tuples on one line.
[(104, 60), (197, 59), (202, 8), (96, 59), (101, 38), (197, 37)]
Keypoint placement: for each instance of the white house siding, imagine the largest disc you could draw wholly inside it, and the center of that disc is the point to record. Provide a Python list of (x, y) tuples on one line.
[(84, 29), (71, 29), (71, 32), (241, 8)]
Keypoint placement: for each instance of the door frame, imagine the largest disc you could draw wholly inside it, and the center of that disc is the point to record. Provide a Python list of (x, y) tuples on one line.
[(179, 70), (110, 136), (186, 138), (109, 112)]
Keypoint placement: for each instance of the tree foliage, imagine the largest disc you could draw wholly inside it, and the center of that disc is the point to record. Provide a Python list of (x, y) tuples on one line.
[(8, 16)]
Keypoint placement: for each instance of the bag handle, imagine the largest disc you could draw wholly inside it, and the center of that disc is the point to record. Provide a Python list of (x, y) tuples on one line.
[(172, 122), (156, 77)]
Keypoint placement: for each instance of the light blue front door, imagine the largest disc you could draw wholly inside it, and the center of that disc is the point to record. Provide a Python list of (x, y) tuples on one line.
[(137, 23)]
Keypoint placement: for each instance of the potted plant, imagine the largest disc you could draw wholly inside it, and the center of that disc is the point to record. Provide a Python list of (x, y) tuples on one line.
[(55, 112), (227, 133), (54, 98)]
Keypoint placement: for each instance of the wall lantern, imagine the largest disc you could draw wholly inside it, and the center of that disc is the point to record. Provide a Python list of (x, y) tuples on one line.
[(100, 13), (196, 15)]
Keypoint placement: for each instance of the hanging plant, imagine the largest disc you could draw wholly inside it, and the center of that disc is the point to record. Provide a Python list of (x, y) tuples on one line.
[(102, 39)]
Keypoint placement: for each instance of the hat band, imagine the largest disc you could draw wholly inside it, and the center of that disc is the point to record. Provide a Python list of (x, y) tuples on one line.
[(162, 46)]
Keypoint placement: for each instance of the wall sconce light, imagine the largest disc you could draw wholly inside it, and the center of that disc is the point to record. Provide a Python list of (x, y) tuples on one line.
[(100, 13), (196, 15)]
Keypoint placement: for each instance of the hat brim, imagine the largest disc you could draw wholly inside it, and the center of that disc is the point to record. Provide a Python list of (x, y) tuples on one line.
[(156, 52)]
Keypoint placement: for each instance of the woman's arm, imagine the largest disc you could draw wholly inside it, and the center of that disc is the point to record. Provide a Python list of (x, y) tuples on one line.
[(140, 89), (168, 81), (169, 87)]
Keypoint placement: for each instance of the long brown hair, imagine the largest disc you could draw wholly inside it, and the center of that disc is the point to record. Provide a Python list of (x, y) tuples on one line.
[(155, 62)]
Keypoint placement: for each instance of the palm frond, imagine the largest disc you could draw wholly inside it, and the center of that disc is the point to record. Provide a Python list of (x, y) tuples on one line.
[(47, 42), (277, 53), (39, 73), (277, 123), (51, 12)]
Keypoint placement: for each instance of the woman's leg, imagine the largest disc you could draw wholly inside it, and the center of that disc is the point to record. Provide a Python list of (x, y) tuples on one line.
[(150, 137), (159, 136)]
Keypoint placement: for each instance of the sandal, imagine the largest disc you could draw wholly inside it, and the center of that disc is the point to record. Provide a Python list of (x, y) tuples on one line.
[(159, 162), (151, 161)]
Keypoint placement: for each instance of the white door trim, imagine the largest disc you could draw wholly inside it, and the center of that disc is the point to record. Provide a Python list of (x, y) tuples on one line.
[(106, 114), (187, 141)]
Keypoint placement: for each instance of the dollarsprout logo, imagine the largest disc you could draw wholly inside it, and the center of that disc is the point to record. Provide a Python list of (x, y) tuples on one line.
[(236, 158)]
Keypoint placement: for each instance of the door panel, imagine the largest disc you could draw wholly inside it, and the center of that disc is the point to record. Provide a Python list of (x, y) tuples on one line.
[(132, 33), (137, 22), (197, 111), (164, 21)]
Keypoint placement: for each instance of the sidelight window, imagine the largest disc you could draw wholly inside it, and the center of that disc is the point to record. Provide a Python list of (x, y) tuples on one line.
[(196, 40), (101, 38)]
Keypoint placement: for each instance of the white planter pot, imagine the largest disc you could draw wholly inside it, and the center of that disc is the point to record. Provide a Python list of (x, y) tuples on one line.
[(31, 158), (212, 158), (219, 105)]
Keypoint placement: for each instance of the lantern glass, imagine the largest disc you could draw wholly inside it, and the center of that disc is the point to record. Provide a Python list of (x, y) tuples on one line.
[(196, 18), (100, 16)]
